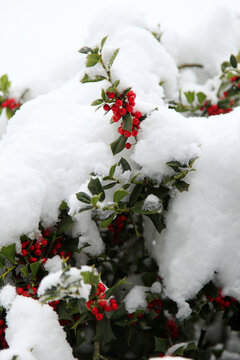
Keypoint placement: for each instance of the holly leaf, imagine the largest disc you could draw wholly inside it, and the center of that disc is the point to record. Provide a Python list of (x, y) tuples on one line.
[(95, 187), (190, 96), (181, 185), (119, 195), (124, 164), (85, 50), (127, 122), (118, 145), (86, 78), (104, 333), (92, 60), (34, 268), (106, 222), (83, 197), (201, 97), (65, 224), (97, 102), (4, 83), (160, 344), (112, 170), (233, 61), (103, 41), (9, 252), (112, 58)]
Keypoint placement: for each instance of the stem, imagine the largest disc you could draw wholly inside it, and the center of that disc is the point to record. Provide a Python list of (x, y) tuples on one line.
[(183, 66), (96, 354)]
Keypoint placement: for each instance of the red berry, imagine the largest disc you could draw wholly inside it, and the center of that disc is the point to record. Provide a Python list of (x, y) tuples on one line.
[(127, 134), (131, 100), (121, 131), (114, 108), (38, 252), (46, 232), (94, 310), (57, 245), (128, 146), (131, 93), (62, 253), (102, 303), (20, 291), (110, 95), (32, 247), (24, 252), (118, 102), (4, 104), (116, 118), (134, 133), (234, 78), (99, 316), (101, 287), (122, 111), (1, 322), (102, 296), (129, 108), (226, 303), (25, 244), (225, 94), (112, 301), (107, 308), (106, 107), (89, 303), (135, 121), (37, 245), (43, 260), (114, 306), (44, 242), (32, 259), (138, 114)]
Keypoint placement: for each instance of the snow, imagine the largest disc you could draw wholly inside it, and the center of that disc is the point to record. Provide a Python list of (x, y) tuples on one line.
[(55, 140), (67, 282), (136, 299), (28, 323)]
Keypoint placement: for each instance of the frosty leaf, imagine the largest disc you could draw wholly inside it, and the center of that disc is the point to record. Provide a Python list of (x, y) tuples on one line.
[(85, 50), (95, 199), (135, 193), (34, 268), (112, 170), (124, 164), (158, 221), (118, 145), (9, 252), (119, 195), (86, 78), (92, 60), (112, 58), (225, 65), (179, 351), (233, 61), (65, 224), (106, 222), (181, 185)]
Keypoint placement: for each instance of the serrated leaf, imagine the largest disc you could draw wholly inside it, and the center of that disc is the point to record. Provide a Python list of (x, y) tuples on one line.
[(34, 269), (90, 278), (64, 225), (190, 96), (201, 97), (24, 270), (233, 61), (106, 222), (103, 41), (63, 206), (118, 145), (9, 252), (112, 170), (181, 185), (179, 351), (112, 58), (85, 50), (83, 197), (86, 78), (119, 195), (104, 333), (97, 102), (92, 60), (4, 83), (124, 164), (127, 122), (95, 199), (95, 187), (160, 344)]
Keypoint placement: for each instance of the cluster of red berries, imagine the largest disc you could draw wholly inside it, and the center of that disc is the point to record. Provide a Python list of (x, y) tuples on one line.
[(11, 104), (3, 327), (215, 110), (116, 227), (36, 250), (132, 315), (172, 329), (99, 304), (121, 107), (221, 299), (27, 291), (156, 306)]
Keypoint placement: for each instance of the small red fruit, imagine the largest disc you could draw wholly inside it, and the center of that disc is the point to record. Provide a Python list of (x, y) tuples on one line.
[(128, 146), (101, 287), (134, 133), (118, 102), (114, 306), (122, 111), (111, 95), (138, 114), (106, 107), (95, 310), (38, 252), (107, 308), (24, 252), (99, 316), (127, 134)]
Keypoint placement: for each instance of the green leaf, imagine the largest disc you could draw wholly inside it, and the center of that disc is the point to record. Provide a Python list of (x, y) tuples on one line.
[(103, 94), (95, 199), (124, 164), (92, 60), (97, 102), (118, 145), (160, 344), (104, 333), (112, 170), (230, 75), (132, 181), (4, 83), (201, 97), (190, 96), (181, 185), (139, 209), (103, 41), (83, 197), (34, 268), (174, 165), (126, 92), (233, 61), (127, 122), (63, 206), (225, 65), (119, 195), (135, 194), (90, 278), (9, 113), (85, 50), (106, 222), (86, 78), (158, 221), (24, 270), (9, 252), (179, 351), (109, 186), (191, 347), (64, 225), (112, 58), (95, 187), (2, 261), (112, 290)]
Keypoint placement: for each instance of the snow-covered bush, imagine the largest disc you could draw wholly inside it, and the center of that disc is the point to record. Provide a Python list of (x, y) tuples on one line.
[(119, 228)]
